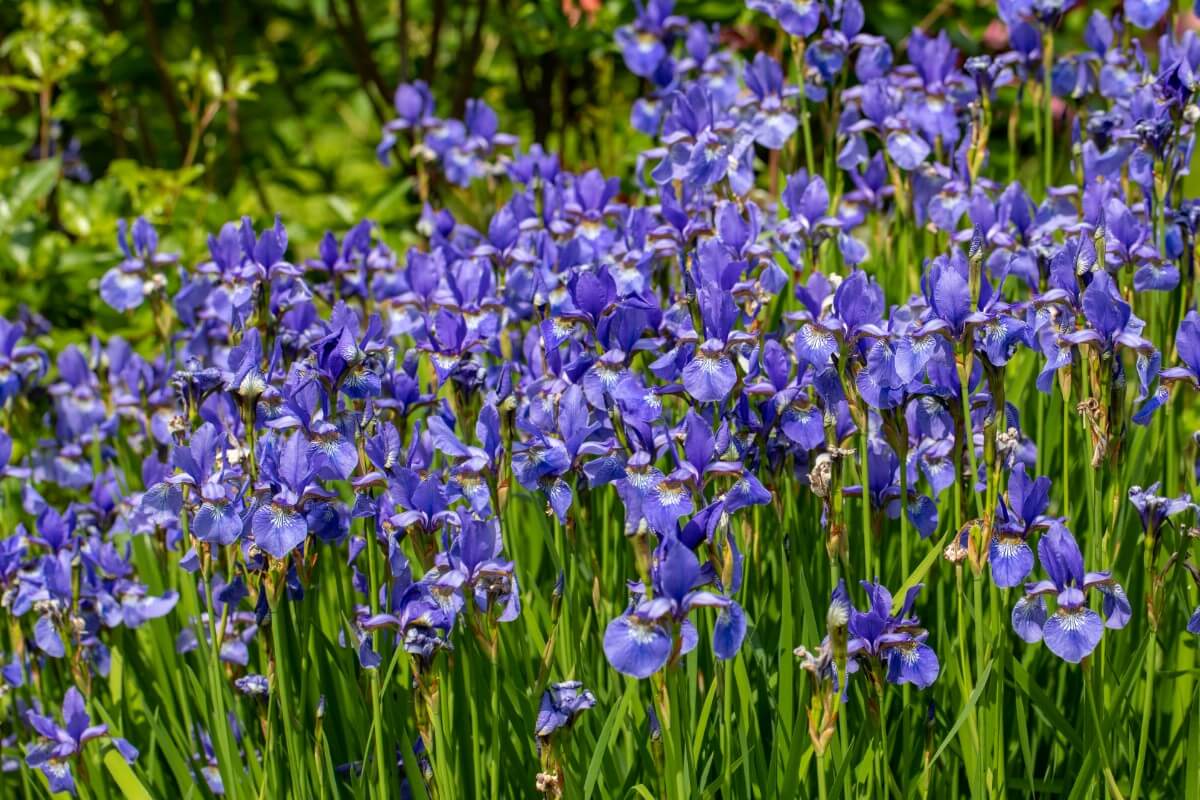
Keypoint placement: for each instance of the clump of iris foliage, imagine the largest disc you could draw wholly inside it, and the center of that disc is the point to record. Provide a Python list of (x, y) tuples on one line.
[(826, 459)]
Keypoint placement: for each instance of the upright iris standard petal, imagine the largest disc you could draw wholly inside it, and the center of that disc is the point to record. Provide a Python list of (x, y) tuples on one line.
[(1028, 498), (951, 298), (1060, 556), (1106, 313), (858, 301), (678, 570)]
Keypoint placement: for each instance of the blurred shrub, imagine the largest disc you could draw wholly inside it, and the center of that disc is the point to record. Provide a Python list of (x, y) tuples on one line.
[(201, 109)]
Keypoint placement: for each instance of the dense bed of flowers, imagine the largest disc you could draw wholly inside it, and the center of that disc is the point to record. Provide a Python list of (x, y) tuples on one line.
[(822, 320)]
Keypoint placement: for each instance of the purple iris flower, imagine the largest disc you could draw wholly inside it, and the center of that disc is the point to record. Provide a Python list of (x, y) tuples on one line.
[(653, 631), (823, 664), (217, 501), (858, 306), (253, 685), (562, 703), (20, 364), (1153, 509), (1019, 514), (797, 17), (773, 123), (7, 468), (413, 103), (1073, 630), (416, 503), (414, 110), (241, 628), (206, 763), (640, 477), (712, 373), (884, 490), (1111, 323), (948, 292), (808, 222), (474, 463), (124, 286), (1187, 343), (790, 407), (895, 641), (646, 43), (1128, 241), (279, 524), (593, 294), (689, 115), (331, 446), (423, 613), (118, 600), (536, 164), (464, 149), (474, 563), (64, 742), (263, 254), (721, 152), (827, 55), (344, 263), (349, 357)]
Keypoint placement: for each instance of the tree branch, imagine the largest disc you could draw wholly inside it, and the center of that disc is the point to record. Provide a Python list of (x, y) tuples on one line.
[(466, 68), (154, 42)]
